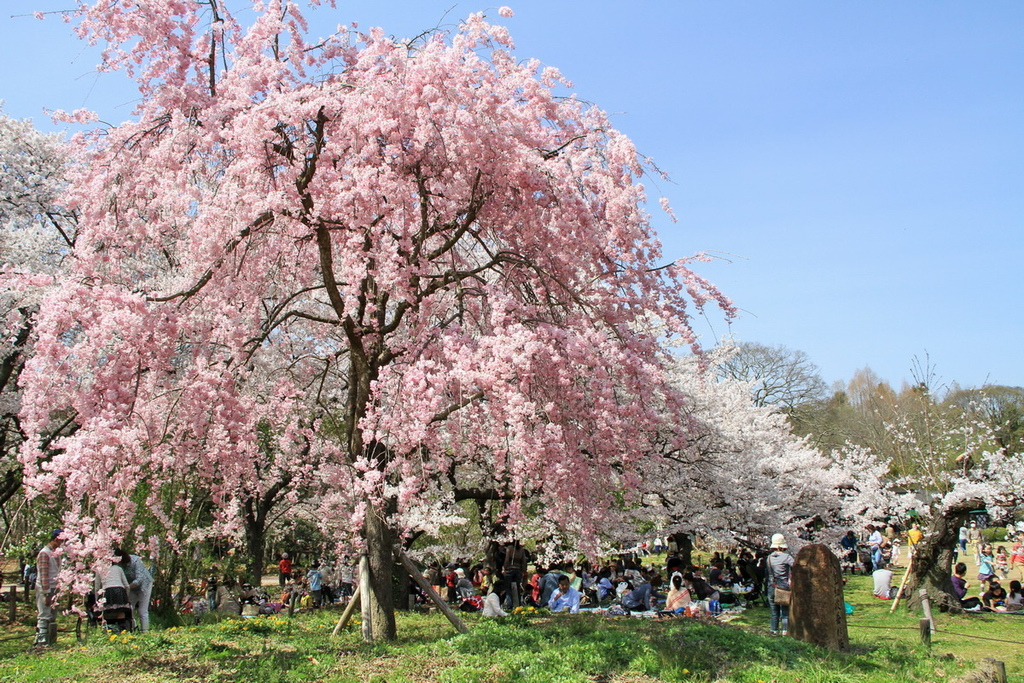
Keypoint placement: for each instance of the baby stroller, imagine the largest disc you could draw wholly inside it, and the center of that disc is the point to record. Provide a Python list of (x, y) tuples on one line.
[(112, 610)]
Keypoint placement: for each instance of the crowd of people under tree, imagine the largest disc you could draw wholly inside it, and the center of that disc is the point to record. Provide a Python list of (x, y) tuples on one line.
[(511, 577)]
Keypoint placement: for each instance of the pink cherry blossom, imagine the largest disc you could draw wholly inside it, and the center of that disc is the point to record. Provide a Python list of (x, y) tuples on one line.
[(419, 279)]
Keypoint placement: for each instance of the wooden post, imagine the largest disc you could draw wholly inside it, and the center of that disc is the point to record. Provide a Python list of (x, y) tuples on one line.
[(926, 632), (459, 625), (994, 667), (926, 605), (903, 583), (364, 588), (353, 602), (13, 602)]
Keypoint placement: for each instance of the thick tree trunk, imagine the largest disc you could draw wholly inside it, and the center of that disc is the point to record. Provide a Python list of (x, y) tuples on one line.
[(685, 545), (255, 541), (257, 512), (933, 559), (380, 551), (163, 587)]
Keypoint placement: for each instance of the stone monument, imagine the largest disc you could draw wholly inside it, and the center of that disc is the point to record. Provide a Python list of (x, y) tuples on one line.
[(816, 612)]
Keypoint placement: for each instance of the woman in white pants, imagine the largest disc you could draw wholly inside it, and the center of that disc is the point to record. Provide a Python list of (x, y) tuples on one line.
[(140, 588)]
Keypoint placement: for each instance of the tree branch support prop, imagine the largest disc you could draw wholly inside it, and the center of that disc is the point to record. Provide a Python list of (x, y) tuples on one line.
[(417, 576), (903, 583), (353, 602)]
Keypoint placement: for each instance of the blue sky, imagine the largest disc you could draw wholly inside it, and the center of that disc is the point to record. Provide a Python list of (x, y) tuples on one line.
[(859, 166)]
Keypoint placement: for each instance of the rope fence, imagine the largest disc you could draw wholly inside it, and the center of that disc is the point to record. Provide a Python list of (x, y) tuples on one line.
[(943, 632)]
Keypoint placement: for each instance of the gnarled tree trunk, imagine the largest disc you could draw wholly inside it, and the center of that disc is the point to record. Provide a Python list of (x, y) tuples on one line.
[(933, 558)]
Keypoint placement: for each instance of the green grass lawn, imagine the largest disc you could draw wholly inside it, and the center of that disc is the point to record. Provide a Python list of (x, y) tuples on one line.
[(541, 649)]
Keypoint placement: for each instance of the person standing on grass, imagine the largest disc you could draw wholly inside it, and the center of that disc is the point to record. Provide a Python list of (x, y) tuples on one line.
[(1002, 562), (1017, 554), (986, 564), (47, 569), (780, 567), (140, 587), (974, 537), (316, 584), (875, 542), (512, 570), (914, 537), (284, 570)]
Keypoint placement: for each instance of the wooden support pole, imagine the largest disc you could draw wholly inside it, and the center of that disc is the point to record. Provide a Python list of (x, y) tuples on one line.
[(364, 588), (353, 602), (13, 602), (459, 625), (926, 632), (903, 583)]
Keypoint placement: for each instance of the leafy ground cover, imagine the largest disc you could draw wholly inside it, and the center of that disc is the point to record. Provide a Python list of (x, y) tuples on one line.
[(529, 648)]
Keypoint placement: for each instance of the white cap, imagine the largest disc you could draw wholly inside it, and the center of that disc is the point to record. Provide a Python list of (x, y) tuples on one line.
[(779, 541)]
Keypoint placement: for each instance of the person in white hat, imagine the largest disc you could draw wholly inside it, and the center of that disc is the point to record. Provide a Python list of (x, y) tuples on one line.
[(780, 566)]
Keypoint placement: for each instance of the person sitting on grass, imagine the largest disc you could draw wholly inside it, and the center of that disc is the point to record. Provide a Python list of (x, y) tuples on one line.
[(995, 597), (960, 586), (565, 598), (678, 595), (849, 554), (492, 603), (719, 574), (699, 588), (643, 597), (227, 601), (1015, 600), (605, 587), (883, 583)]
